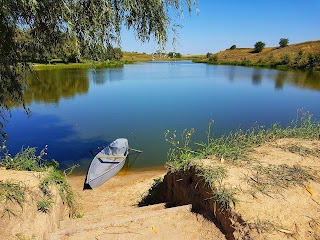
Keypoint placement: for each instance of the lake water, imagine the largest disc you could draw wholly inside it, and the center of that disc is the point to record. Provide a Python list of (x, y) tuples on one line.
[(75, 111)]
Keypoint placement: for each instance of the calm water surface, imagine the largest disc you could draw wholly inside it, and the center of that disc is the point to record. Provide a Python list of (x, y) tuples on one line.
[(74, 111)]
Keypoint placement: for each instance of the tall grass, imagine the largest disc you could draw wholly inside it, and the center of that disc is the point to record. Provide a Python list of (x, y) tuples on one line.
[(236, 145), (234, 148)]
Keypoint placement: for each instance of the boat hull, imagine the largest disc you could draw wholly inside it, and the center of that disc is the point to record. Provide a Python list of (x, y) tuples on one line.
[(107, 163)]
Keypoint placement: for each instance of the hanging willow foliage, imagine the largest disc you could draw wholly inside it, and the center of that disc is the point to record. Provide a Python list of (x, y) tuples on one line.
[(91, 23)]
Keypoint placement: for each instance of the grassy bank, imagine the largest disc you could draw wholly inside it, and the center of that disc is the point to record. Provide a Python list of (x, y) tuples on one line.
[(296, 56), (235, 146), (233, 151), (128, 58), (48, 173), (84, 65)]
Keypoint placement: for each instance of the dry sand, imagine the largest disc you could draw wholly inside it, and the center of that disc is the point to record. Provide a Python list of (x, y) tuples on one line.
[(111, 212)]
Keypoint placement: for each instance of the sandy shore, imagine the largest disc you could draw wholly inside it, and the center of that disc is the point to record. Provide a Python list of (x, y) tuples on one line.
[(111, 212), (124, 189)]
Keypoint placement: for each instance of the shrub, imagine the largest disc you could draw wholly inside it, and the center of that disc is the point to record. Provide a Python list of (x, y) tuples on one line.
[(285, 59), (259, 46), (174, 55), (313, 60), (298, 58), (245, 62), (209, 55), (233, 47), (283, 42), (213, 59)]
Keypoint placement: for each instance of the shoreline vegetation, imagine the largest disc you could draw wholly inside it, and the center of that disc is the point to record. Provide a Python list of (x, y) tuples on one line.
[(301, 56), (82, 65)]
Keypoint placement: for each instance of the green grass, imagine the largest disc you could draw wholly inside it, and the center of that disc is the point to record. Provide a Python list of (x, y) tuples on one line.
[(214, 175), (84, 65), (58, 178), (22, 161), (45, 204), (224, 197), (11, 192)]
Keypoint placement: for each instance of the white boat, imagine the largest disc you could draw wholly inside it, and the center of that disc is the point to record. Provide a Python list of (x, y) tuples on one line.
[(107, 163)]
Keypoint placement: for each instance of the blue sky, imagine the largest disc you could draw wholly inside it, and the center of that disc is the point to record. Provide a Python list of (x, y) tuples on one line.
[(222, 23)]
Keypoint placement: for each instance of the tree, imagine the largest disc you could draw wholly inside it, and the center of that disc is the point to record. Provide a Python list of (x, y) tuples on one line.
[(233, 47), (89, 23), (283, 42), (174, 55), (118, 54), (209, 55), (213, 59), (259, 46)]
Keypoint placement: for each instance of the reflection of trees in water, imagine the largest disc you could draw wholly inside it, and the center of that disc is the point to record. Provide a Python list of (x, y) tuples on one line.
[(280, 79), (43, 86), (231, 73), (256, 76), (101, 76), (51, 86), (303, 79)]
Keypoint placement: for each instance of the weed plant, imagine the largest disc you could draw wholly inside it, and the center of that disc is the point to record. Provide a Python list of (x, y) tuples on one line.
[(45, 204), (213, 177), (11, 192), (58, 178)]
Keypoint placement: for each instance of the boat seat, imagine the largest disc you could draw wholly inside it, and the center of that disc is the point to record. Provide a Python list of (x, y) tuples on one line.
[(107, 161)]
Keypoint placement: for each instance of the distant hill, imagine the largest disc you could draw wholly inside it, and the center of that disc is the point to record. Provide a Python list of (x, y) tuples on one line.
[(301, 55)]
